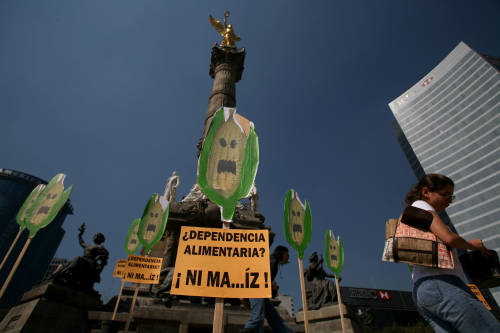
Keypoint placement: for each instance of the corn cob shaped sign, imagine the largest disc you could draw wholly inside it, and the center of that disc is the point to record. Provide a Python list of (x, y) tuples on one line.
[(334, 252), (153, 221), (132, 242), (228, 161), (46, 206), (28, 203), (298, 222)]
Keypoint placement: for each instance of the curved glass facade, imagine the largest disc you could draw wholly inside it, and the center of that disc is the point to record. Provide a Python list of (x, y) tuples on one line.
[(15, 187), (449, 123)]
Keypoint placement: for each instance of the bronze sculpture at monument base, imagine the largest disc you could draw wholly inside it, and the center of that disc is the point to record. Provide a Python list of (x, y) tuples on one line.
[(326, 320), (319, 290), (83, 271), (49, 308), (181, 317)]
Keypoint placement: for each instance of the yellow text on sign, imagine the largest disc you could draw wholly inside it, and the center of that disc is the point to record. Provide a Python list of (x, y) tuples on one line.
[(479, 296), (142, 269), (222, 263)]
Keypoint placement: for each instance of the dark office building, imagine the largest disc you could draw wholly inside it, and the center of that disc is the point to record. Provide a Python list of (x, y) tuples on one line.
[(375, 309), (15, 187), (378, 309)]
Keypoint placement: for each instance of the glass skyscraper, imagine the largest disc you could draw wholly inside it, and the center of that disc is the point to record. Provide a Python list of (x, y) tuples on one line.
[(449, 123)]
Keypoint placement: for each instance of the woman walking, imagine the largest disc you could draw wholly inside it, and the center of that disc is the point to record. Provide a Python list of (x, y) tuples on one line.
[(441, 295)]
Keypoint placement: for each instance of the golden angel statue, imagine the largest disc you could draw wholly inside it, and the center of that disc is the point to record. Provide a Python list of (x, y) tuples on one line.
[(226, 31)]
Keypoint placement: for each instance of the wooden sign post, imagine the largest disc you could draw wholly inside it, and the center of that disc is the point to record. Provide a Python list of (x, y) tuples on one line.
[(298, 229), (39, 213), (21, 215), (143, 269), (11, 247), (303, 293), (226, 170), (140, 269), (339, 298), (119, 271), (14, 268), (219, 304), (334, 253)]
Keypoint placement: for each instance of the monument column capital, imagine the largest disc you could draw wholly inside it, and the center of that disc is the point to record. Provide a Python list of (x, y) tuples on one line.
[(229, 57)]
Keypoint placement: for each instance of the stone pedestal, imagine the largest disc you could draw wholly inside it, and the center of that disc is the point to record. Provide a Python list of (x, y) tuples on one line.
[(184, 318), (326, 319), (50, 308)]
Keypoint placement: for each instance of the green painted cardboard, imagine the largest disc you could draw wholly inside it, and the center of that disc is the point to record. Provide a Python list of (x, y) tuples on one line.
[(132, 242), (334, 252), (28, 203), (226, 199), (153, 221), (47, 205), (298, 229)]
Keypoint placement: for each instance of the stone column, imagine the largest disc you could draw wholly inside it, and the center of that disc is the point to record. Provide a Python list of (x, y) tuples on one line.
[(226, 68)]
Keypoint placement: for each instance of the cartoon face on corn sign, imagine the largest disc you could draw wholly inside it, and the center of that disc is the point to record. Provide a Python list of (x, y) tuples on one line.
[(297, 218), (228, 161), (334, 252), (28, 203), (153, 221), (48, 203), (132, 242)]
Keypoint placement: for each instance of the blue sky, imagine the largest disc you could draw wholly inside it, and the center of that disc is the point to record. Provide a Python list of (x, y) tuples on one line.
[(114, 94)]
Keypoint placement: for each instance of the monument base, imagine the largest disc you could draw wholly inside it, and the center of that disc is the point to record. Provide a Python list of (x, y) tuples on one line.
[(326, 319), (51, 308), (182, 317)]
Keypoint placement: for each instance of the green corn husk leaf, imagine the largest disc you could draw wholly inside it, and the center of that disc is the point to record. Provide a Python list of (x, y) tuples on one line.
[(297, 234), (334, 263), (248, 170), (153, 221), (47, 205), (28, 203), (132, 242)]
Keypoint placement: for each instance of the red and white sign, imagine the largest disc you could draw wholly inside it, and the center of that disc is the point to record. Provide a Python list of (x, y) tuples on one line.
[(427, 81), (383, 295)]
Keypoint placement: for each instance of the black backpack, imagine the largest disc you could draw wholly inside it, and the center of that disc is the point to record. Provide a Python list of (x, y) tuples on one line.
[(482, 271)]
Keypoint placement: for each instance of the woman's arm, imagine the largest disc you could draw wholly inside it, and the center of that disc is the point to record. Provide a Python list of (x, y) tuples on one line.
[(439, 228)]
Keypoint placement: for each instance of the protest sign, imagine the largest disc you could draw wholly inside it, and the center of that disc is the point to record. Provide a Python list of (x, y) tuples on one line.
[(153, 221), (28, 203), (297, 218), (228, 160), (120, 268), (142, 269), (47, 204), (21, 214), (334, 252), (298, 228), (132, 243), (479, 295), (225, 263)]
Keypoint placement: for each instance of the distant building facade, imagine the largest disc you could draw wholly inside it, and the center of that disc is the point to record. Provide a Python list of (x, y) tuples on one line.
[(377, 309), (287, 304), (15, 187), (449, 123)]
